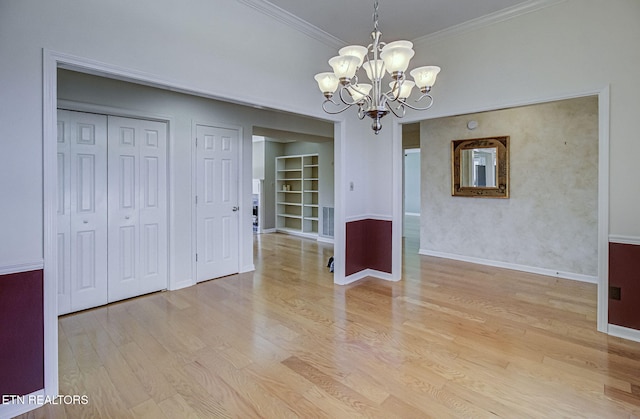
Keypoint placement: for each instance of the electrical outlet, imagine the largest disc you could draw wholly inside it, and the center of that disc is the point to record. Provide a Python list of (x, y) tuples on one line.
[(614, 293)]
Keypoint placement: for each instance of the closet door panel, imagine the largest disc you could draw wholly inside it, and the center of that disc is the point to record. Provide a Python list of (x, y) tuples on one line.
[(137, 207), (85, 247)]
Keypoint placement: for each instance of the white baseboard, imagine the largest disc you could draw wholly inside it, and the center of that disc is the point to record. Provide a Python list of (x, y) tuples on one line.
[(524, 268), (10, 410), (412, 214), (15, 268), (366, 273), (268, 230), (325, 239), (623, 332)]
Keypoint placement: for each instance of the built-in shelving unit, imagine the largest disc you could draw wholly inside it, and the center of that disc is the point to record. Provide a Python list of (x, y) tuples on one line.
[(297, 194)]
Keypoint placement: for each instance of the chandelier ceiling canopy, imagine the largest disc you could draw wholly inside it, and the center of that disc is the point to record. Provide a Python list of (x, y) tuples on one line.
[(374, 99)]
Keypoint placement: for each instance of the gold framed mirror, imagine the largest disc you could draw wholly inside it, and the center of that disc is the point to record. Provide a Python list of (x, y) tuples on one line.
[(480, 167)]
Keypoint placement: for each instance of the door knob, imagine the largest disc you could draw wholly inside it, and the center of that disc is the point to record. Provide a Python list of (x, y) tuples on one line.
[(235, 209)]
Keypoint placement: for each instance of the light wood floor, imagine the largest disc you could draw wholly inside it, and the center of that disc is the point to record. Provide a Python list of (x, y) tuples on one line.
[(451, 339)]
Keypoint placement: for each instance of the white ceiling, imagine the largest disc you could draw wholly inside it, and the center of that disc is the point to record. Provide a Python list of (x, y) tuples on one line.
[(352, 20)]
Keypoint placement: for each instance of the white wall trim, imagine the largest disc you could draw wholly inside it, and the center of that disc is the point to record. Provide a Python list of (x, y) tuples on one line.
[(294, 22), (369, 217), (524, 268), (614, 238), (323, 239), (339, 192), (50, 62), (19, 267), (623, 332), (487, 20), (603, 209), (10, 410), (412, 214), (397, 196), (268, 230)]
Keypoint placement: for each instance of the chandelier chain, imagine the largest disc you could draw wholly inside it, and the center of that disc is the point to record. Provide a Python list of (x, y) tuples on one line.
[(375, 15)]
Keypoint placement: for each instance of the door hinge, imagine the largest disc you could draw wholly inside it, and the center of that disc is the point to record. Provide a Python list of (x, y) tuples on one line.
[(196, 257), (196, 199), (196, 142)]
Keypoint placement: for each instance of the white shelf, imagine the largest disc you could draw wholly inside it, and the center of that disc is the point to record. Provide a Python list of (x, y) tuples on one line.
[(299, 217), (305, 167)]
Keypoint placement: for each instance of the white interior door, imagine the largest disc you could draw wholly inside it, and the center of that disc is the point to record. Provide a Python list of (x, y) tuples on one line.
[(137, 207), (217, 202), (82, 211)]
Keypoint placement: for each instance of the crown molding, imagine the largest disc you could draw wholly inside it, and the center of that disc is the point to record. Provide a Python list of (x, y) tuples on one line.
[(487, 20), (293, 21)]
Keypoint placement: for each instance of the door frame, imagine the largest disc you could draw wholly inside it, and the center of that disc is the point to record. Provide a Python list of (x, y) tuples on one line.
[(194, 191), (52, 61)]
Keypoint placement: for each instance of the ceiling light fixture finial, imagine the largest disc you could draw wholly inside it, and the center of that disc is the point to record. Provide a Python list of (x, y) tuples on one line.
[(377, 57)]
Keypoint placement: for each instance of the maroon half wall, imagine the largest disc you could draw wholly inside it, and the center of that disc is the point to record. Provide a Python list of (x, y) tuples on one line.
[(624, 285), (21, 333), (368, 246)]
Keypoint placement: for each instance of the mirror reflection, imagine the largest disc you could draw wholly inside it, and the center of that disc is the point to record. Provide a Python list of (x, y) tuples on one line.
[(478, 167)]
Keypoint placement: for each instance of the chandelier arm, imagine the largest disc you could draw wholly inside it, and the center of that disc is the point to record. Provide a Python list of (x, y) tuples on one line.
[(324, 107), (419, 108), (361, 113), (346, 102), (400, 106)]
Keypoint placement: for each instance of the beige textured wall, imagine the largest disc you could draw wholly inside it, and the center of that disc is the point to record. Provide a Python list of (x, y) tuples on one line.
[(550, 220)]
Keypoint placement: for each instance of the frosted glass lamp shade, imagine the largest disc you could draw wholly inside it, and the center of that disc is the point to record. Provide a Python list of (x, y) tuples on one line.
[(344, 66), (398, 44), (397, 58), (359, 91), (425, 76), (374, 69), (356, 51), (405, 88), (327, 82)]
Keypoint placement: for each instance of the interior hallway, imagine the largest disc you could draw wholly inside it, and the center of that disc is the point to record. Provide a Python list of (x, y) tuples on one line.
[(451, 339)]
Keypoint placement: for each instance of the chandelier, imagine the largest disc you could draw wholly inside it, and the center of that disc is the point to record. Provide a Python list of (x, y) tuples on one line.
[(371, 99)]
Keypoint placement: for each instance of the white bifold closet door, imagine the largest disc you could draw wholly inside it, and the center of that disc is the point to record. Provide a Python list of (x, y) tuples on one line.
[(137, 207), (82, 211), (112, 209)]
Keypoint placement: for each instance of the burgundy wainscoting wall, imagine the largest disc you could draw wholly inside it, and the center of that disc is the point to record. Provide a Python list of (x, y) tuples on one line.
[(21, 333), (368, 246), (624, 273)]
